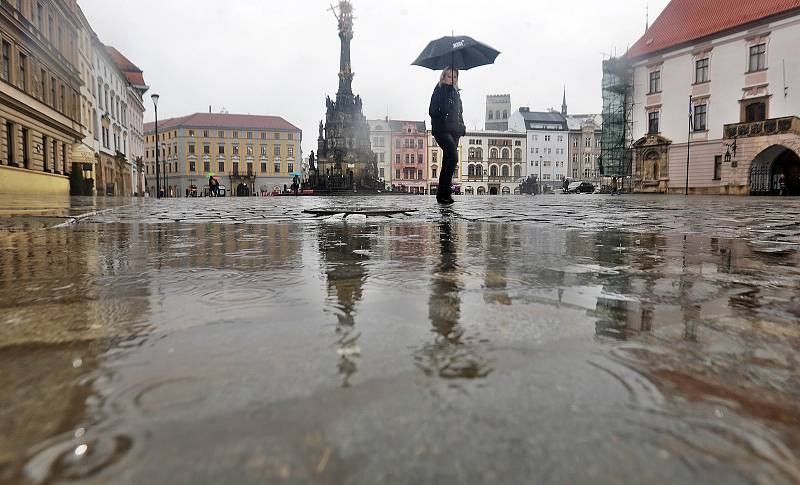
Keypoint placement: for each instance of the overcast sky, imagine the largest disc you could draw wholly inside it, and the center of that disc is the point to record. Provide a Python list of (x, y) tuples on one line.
[(282, 57)]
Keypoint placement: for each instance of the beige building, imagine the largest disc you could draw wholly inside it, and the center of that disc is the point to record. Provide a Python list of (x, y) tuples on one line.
[(247, 154), (584, 147), (40, 109)]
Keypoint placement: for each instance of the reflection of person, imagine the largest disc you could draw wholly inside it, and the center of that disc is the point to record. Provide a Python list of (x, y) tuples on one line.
[(782, 184), (447, 126), (444, 308)]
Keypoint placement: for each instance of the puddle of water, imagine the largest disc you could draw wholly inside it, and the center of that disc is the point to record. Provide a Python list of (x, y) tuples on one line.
[(362, 352)]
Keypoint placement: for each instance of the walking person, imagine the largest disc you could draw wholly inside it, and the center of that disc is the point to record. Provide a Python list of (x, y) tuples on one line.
[(211, 187), (447, 126)]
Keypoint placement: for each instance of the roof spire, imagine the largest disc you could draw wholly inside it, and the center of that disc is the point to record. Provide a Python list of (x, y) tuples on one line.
[(647, 17), (564, 103)]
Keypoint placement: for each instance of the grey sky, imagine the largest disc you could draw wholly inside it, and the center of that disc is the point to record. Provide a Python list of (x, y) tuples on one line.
[(282, 57)]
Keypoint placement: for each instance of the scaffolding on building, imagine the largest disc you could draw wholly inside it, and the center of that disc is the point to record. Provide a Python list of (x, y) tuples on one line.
[(616, 139)]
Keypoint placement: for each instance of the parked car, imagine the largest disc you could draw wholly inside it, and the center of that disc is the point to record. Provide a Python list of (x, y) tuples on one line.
[(580, 188)]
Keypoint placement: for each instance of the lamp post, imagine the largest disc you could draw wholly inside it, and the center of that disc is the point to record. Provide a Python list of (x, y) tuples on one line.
[(540, 174), (154, 97)]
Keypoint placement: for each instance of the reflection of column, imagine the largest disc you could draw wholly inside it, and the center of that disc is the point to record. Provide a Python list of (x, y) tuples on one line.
[(343, 249)]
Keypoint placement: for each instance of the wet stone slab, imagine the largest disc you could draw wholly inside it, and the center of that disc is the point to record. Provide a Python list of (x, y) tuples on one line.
[(562, 339)]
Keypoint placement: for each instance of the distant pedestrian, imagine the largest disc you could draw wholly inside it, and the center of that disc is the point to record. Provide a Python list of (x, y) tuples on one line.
[(447, 126), (211, 187)]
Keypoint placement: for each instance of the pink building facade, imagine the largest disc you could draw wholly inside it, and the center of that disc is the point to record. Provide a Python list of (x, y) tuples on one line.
[(410, 157)]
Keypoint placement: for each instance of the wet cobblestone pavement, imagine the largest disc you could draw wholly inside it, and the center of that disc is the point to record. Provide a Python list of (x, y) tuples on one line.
[(560, 339)]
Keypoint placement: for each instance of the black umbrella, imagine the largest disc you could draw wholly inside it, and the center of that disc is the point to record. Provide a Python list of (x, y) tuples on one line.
[(460, 52)]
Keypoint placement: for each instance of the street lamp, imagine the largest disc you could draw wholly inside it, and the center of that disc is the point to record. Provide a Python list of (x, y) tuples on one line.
[(154, 97), (540, 174)]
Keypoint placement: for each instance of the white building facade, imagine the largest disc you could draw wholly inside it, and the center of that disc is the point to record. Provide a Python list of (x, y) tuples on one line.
[(493, 162), (380, 134), (547, 136), (740, 76)]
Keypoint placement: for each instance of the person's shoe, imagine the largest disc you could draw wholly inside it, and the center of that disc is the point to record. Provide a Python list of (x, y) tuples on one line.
[(445, 199)]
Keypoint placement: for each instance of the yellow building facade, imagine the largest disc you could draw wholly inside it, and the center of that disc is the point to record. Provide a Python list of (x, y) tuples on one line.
[(40, 112), (247, 154)]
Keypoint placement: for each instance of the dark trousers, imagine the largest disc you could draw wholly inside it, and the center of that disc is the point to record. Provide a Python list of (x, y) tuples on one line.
[(449, 144)]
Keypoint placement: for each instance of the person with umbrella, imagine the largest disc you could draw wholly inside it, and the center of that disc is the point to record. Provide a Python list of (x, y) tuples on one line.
[(446, 112), (447, 126)]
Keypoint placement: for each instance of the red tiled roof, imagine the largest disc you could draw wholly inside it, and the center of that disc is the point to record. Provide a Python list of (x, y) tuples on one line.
[(690, 20), (132, 73), (221, 120)]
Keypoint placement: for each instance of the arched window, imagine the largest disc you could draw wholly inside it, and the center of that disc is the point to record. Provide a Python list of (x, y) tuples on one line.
[(481, 191), (505, 114), (493, 171), (479, 153), (517, 171), (469, 191), (471, 153), (506, 191), (518, 155), (433, 171), (491, 115), (497, 114), (516, 191), (506, 154), (506, 172), (471, 170), (493, 153)]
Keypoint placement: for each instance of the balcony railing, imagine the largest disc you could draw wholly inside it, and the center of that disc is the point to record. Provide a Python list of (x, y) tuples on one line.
[(772, 126)]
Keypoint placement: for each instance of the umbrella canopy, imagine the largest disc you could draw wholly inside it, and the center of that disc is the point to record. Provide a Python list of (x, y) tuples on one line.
[(460, 52)]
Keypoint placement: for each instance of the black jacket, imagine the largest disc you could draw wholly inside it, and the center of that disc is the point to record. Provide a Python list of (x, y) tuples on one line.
[(446, 111)]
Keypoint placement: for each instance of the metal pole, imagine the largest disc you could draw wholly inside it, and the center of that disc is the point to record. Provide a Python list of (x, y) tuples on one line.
[(158, 172), (540, 174), (688, 146)]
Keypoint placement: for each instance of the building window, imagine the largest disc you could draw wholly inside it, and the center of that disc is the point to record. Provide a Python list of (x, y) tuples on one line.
[(491, 115), (10, 144), (263, 167), (191, 133), (264, 136), (249, 149), (221, 167), (655, 82), (755, 112), (701, 71), (191, 166), (23, 67), (43, 87), (276, 151), (397, 172), (547, 138), (235, 135), (700, 117), (249, 135), (290, 167), (191, 149), (433, 172), (397, 143), (206, 149), (220, 134), (652, 122), (419, 174), (758, 57), (290, 136), (221, 149), (207, 166), (419, 158), (263, 150), (6, 61), (718, 167), (397, 159), (419, 144), (277, 167), (290, 152), (277, 136)]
